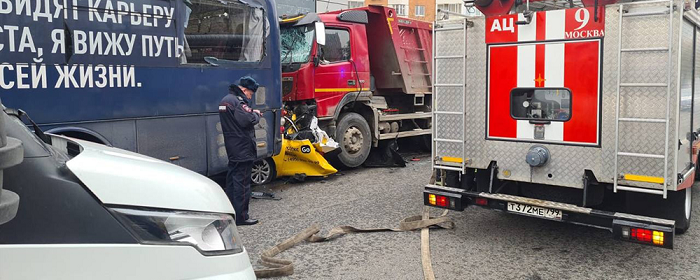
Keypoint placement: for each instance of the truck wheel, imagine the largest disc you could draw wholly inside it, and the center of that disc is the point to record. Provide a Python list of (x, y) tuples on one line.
[(263, 171), (355, 139), (677, 206), (684, 204)]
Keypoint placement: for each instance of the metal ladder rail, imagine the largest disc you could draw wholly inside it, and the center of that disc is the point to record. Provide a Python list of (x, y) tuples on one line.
[(668, 97), (464, 96), (436, 86)]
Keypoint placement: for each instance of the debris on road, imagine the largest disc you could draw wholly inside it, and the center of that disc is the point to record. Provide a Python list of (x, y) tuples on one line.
[(276, 267), (264, 195)]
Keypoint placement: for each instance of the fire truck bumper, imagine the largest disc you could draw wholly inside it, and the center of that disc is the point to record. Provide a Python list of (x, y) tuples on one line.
[(626, 227)]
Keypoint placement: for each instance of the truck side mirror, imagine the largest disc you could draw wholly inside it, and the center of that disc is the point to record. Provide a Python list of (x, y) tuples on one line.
[(320, 33)]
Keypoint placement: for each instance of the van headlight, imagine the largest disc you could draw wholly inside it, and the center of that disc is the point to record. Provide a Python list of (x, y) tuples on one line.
[(210, 233)]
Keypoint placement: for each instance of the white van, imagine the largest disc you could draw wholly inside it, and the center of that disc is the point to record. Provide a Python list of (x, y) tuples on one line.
[(88, 211)]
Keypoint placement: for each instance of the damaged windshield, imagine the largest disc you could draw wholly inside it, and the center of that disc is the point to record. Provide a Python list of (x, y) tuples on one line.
[(227, 30), (296, 43)]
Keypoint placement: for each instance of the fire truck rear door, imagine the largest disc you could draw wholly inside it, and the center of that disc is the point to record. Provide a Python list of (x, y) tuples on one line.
[(544, 77)]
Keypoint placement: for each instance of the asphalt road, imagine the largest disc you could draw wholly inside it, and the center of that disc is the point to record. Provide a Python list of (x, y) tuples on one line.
[(485, 244)]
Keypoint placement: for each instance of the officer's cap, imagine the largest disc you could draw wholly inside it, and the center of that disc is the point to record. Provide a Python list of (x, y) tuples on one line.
[(249, 83)]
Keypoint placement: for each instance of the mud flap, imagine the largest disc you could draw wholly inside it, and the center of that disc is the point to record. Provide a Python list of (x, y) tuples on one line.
[(386, 155)]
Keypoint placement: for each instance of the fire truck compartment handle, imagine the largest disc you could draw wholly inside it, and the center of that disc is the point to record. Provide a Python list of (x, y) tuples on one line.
[(540, 122)]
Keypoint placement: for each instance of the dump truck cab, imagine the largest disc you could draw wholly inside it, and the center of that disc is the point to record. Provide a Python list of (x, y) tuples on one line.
[(324, 72)]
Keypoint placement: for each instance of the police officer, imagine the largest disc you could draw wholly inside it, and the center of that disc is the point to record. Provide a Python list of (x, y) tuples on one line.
[(237, 123)]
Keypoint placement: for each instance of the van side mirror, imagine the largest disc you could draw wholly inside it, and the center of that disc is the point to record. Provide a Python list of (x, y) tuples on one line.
[(320, 33)]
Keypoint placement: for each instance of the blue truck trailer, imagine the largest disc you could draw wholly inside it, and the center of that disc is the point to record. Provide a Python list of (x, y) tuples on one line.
[(142, 75)]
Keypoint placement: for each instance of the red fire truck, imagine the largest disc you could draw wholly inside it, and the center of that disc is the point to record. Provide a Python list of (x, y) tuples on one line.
[(367, 76), (579, 112)]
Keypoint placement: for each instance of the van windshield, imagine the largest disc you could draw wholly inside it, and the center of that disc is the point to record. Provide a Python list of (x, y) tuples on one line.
[(296, 43)]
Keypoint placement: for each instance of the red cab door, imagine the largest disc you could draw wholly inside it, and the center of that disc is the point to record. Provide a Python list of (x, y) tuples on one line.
[(335, 75)]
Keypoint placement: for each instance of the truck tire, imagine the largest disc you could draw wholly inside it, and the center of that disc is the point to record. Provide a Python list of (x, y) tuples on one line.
[(684, 209), (355, 139), (677, 206)]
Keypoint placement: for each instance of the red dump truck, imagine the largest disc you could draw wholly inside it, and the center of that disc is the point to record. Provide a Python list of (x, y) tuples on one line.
[(365, 73)]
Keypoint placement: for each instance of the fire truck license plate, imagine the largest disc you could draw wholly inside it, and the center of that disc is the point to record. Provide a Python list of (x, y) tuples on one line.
[(535, 211)]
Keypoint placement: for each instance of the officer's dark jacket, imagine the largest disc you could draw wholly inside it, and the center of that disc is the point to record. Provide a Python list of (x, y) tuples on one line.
[(238, 125)]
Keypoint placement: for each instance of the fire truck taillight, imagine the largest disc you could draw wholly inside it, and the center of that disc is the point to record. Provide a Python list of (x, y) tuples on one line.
[(438, 200), (648, 236), (443, 201), (481, 201), (640, 233)]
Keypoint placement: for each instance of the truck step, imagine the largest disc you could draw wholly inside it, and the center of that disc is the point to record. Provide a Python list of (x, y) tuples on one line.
[(641, 190)]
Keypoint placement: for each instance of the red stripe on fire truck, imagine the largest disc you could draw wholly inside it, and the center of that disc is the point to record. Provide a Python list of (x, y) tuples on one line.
[(582, 77), (502, 78)]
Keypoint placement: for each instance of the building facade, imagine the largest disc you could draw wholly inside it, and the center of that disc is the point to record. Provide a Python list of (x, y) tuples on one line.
[(425, 10), (416, 9)]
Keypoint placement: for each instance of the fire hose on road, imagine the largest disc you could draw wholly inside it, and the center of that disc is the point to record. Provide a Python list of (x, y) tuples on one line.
[(275, 267)]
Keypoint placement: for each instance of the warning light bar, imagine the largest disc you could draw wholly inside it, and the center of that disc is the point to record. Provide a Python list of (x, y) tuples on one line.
[(449, 201), (643, 233)]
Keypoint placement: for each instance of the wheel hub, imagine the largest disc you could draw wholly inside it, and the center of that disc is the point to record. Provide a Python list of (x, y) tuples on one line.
[(352, 140), (260, 172)]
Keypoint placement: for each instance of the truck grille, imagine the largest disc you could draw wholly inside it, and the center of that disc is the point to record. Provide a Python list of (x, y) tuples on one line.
[(287, 85)]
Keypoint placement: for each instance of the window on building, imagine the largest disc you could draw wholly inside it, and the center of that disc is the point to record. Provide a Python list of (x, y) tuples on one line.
[(355, 4), (547, 104), (337, 47), (420, 11), (400, 9), (472, 11), (455, 8), (226, 30)]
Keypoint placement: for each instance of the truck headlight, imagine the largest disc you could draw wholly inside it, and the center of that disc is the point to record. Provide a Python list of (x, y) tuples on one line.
[(210, 233)]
